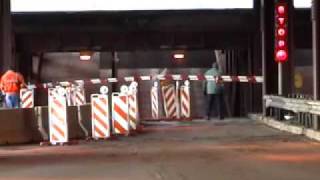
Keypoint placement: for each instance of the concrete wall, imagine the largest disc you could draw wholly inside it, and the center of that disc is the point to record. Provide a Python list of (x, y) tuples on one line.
[(63, 66), (303, 66), (18, 126), (307, 79), (21, 125)]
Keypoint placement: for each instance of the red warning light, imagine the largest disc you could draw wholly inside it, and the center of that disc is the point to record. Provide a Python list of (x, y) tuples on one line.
[(281, 32), (281, 21), (281, 55), (281, 9), (281, 44)]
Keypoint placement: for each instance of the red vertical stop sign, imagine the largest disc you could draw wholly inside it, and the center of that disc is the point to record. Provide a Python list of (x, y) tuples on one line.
[(281, 32)]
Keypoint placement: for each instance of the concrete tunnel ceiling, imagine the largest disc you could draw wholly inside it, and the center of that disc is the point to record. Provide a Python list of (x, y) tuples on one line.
[(124, 5), (104, 30)]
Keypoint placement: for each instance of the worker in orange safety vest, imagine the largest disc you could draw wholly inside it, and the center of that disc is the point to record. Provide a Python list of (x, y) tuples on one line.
[(11, 83)]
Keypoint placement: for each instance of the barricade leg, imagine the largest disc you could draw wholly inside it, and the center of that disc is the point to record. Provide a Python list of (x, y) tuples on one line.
[(80, 121)]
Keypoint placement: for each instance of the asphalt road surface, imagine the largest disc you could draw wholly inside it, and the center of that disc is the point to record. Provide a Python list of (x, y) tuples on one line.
[(237, 149)]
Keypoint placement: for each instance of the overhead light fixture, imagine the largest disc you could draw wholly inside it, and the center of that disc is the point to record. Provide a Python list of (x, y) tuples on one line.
[(178, 56), (85, 55)]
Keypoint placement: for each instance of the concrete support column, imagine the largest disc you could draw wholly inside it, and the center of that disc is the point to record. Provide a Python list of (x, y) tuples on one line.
[(115, 62), (316, 50), (24, 65), (250, 73), (269, 68), (5, 35)]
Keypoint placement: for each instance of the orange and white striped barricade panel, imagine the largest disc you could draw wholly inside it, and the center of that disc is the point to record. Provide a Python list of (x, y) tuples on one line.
[(169, 98), (79, 97), (52, 92), (120, 114), (185, 102), (177, 100), (58, 125), (154, 103), (27, 98), (100, 116), (133, 111)]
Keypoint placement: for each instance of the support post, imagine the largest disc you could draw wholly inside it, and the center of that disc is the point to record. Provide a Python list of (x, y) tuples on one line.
[(5, 35), (115, 61), (315, 50), (280, 90), (263, 53)]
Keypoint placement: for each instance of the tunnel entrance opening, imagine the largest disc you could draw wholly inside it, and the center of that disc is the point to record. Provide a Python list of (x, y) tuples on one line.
[(239, 97)]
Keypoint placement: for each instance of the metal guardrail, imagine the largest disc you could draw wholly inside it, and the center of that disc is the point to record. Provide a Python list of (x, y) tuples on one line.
[(293, 104), (299, 109)]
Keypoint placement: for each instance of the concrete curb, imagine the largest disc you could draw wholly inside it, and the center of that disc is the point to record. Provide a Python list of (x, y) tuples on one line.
[(282, 126)]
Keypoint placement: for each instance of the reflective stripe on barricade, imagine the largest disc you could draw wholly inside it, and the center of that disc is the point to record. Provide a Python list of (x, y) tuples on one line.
[(120, 116), (154, 103), (169, 98), (133, 111), (100, 116), (185, 102), (80, 97), (27, 98), (58, 125)]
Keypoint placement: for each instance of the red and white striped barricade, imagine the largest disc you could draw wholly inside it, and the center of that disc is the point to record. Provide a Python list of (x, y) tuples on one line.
[(154, 101), (79, 96), (170, 104), (120, 112), (27, 98), (177, 99), (52, 92), (133, 107), (185, 100), (58, 125), (101, 128)]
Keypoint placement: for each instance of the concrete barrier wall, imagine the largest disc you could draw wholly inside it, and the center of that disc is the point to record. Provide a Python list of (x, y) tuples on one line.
[(75, 131), (20, 126)]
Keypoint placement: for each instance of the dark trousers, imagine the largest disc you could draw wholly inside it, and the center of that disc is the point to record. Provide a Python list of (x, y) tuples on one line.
[(215, 104)]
